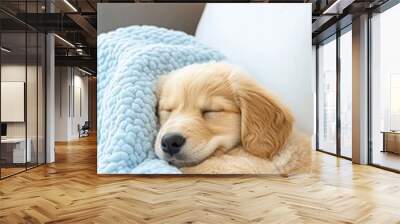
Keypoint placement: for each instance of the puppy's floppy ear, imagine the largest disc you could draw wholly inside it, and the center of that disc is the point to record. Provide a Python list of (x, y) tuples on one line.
[(265, 123)]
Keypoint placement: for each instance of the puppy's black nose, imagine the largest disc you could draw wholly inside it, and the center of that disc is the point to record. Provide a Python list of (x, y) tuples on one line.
[(171, 143)]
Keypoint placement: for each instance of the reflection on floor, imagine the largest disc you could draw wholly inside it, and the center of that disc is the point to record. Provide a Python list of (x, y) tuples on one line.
[(13, 169), (386, 159), (70, 191), (10, 171)]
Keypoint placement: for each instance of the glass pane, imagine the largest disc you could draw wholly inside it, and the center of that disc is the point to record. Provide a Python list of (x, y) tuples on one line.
[(13, 86), (41, 98), (386, 89), (346, 94), (31, 88), (31, 100), (23, 90), (327, 97)]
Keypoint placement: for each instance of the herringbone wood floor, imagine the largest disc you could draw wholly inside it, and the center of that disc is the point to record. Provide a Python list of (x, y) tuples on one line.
[(70, 191)]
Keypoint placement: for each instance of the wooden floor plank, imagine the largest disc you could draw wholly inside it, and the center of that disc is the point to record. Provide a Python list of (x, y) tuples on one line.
[(70, 191)]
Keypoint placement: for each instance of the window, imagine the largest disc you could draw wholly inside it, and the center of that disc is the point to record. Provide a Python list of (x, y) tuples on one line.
[(327, 97), (395, 102), (346, 94), (22, 78), (334, 106), (385, 89)]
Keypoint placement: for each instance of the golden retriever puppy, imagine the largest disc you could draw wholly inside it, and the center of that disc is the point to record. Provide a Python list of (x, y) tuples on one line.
[(214, 119)]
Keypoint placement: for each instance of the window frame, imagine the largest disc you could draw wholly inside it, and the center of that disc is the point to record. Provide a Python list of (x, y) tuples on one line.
[(334, 37)]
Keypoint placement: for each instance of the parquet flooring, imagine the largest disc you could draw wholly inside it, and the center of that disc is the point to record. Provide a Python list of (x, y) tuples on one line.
[(10, 171), (70, 191)]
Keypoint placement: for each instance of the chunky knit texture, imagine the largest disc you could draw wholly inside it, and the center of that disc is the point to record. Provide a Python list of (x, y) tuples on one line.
[(129, 62)]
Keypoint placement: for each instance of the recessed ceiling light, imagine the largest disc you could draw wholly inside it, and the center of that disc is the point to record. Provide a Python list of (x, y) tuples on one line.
[(5, 50), (84, 71), (64, 40), (70, 5)]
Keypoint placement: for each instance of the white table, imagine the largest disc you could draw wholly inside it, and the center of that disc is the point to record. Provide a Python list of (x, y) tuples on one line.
[(18, 144)]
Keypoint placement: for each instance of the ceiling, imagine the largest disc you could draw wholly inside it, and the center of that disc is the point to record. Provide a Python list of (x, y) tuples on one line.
[(329, 16), (74, 22)]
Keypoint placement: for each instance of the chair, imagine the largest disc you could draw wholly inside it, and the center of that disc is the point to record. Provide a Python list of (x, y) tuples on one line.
[(84, 130)]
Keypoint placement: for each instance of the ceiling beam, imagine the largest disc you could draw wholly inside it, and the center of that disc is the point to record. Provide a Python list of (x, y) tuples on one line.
[(84, 24), (338, 6), (81, 61), (320, 22)]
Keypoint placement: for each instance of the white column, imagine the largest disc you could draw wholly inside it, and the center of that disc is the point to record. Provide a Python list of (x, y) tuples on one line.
[(50, 110), (50, 93), (360, 90)]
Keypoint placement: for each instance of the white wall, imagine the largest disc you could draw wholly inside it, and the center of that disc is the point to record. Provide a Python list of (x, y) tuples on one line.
[(62, 82), (67, 115), (81, 84), (273, 43)]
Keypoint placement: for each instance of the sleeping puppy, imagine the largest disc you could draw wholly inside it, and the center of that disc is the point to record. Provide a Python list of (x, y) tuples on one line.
[(214, 119)]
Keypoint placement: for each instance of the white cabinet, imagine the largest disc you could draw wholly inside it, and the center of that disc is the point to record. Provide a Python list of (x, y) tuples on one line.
[(19, 155)]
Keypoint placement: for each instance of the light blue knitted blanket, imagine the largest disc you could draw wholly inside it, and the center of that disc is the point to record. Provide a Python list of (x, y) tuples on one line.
[(129, 62)]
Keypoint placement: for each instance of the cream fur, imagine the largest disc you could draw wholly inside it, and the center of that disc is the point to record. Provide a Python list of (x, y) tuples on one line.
[(231, 124)]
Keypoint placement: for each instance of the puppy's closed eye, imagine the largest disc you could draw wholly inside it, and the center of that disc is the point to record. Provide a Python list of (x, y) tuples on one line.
[(204, 111), (209, 113), (164, 113)]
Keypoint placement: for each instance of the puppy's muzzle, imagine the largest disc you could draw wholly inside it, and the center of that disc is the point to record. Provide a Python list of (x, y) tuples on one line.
[(171, 143)]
